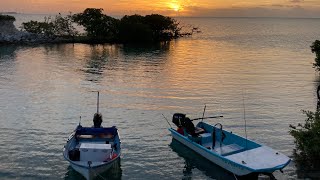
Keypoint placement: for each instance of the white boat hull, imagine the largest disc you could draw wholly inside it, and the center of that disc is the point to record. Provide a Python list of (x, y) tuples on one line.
[(91, 173)]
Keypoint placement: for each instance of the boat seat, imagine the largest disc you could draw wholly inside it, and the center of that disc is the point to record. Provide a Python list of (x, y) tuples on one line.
[(96, 140), (205, 138), (196, 133), (199, 130), (226, 150)]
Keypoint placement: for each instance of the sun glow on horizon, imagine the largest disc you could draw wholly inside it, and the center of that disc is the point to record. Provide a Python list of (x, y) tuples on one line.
[(175, 6), (197, 8)]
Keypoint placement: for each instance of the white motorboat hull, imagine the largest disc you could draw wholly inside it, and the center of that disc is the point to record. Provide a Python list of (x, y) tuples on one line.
[(237, 155), (230, 166), (91, 173)]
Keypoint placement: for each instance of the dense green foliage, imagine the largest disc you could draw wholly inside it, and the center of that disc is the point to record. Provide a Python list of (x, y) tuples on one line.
[(147, 28), (315, 48), (45, 28), (7, 18), (307, 140), (162, 27), (134, 29), (97, 24), (58, 26), (63, 26)]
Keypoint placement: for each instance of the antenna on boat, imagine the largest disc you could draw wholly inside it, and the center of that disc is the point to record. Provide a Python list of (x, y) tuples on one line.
[(245, 121), (167, 121), (204, 110), (97, 117), (80, 121), (98, 103)]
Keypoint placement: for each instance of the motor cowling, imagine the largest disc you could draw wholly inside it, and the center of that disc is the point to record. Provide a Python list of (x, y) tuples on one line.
[(178, 119), (189, 126)]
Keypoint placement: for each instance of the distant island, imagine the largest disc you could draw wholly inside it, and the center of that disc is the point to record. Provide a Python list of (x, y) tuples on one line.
[(99, 28), (9, 13)]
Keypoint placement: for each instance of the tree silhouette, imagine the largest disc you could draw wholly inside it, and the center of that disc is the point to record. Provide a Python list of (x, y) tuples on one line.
[(97, 24), (315, 48)]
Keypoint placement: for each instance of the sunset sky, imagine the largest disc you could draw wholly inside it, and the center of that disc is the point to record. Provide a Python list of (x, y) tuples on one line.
[(283, 8)]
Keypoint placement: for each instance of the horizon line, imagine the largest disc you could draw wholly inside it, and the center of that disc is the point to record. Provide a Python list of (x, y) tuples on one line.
[(117, 15)]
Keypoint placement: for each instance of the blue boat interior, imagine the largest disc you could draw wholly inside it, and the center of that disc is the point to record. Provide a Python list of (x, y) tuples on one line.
[(103, 135), (91, 135), (226, 143)]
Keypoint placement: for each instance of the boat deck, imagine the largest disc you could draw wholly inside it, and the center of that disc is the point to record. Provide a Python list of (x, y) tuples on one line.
[(224, 150), (260, 158)]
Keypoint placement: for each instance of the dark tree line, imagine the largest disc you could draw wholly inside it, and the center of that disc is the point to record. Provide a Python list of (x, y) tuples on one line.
[(97, 24), (307, 140), (58, 26), (315, 48), (307, 135), (7, 18), (102, 28)]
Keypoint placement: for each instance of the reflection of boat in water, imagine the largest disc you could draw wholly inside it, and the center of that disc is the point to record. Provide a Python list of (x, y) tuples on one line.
[(230, 151), (193, 160), (93, 150)]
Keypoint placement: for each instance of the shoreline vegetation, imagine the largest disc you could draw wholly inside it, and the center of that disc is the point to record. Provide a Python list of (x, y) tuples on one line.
[(307, 145), (307, 136), (97, 26)]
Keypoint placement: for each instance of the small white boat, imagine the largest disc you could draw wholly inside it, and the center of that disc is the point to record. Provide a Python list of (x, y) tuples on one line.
[(234, 153), (93, 150)]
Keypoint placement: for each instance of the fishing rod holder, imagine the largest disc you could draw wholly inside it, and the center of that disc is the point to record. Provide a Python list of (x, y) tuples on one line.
[(222, 135)]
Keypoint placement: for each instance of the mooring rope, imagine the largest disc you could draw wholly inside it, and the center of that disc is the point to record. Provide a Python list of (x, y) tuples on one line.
[(235, 176)]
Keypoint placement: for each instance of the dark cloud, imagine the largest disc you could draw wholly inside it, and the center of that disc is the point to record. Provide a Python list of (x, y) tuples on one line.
[(278, 5), (283, 6), (296, 1)]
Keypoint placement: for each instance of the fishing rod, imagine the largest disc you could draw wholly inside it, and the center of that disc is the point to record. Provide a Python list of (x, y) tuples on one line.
[(206, 118), (98, 103), (245, 121), (204, 110), (167, 121)]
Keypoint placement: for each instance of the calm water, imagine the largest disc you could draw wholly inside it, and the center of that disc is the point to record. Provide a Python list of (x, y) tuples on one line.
[(44, 89)]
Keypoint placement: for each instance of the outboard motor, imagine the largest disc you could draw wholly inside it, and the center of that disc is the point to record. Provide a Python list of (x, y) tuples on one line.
[(187, 123), (178, 119)]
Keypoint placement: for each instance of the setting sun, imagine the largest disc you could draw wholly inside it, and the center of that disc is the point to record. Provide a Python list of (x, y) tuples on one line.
[(174, 6)]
